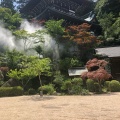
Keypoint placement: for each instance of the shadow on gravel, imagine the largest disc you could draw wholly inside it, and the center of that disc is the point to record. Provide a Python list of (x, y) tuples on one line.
[(39, 98), (107, 94)]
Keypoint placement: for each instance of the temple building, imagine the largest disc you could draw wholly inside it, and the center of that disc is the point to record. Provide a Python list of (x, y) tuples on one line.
[(72, 11), (60, 9)]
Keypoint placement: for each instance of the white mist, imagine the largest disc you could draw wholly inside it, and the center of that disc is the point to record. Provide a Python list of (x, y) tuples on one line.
[(7, 40)]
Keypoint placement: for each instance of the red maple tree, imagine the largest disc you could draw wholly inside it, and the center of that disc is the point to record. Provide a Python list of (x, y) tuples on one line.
[(82, 38), (96, 70), (81, 35)]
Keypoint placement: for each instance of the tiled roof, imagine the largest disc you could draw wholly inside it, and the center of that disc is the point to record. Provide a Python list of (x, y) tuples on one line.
[(109, 51)]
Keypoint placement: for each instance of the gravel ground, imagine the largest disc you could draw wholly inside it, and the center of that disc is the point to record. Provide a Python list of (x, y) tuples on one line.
[(94, 107)]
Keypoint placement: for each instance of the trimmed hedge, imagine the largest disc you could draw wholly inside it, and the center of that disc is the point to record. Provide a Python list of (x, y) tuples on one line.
[(67, 85), (31, 91), (77, 81), (106, 85), (90, 85), (74, 87), (47, 89), (114, 86), (97, 87), (11, 91)]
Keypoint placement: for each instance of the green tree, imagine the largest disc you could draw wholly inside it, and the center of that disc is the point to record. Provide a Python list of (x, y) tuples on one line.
[(106, 21), (31, 68), (42, 67), (116, 28), (108, 15), (67, 63), (23, 35), (14, 59), (23, 75), (107, 6), (56, 30), (30, 39), (11, 20)]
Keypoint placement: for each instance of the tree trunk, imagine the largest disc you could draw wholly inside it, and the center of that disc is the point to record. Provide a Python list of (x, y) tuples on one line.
[(41, 91)]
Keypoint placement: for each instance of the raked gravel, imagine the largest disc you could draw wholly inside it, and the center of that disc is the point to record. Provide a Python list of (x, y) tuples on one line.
[(93, 107)]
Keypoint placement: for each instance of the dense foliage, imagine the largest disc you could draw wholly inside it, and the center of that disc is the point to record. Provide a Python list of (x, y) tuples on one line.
[(10, 19), (31, 68), (74, 46), (81, 35), (108, 15), (11, 91), (114, 86), (84, 42)]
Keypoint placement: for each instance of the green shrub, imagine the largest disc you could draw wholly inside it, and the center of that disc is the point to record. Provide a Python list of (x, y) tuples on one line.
[(6, 84), (58, 78), (97, 87), (66, 85), (106, 85), (114, 86), (67, 63), (104, 90), (31, 91), (77, 81), (47, 89), (76, 89), (16, 91), (11, 91), (1, 82), (77, 84), (90, 85), (26, 93), (73, 86), (85, 92), (58, 81), (5, 91)]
